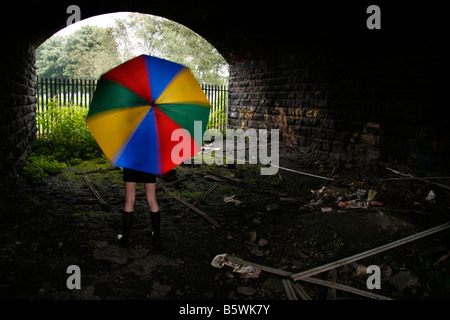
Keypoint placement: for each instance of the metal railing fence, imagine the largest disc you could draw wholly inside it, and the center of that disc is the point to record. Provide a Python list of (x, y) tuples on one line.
[(79, 92)]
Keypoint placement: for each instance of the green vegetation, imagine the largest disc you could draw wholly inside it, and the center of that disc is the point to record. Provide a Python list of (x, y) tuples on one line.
[(40, 166), (68, 141), (217, 120), (87, 53)]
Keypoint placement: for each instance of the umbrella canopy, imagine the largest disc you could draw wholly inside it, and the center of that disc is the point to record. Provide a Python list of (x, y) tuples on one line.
[(136, 109)]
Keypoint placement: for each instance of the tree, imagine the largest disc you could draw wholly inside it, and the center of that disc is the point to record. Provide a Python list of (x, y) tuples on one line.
[(163, 38), (48, 58), (91, 51), (87, 53)]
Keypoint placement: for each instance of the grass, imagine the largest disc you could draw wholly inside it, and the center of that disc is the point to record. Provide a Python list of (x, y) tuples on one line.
[(67, 141)]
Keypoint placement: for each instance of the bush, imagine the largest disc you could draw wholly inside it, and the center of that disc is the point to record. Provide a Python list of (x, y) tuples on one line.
[(65, 140), (217, 119), (66, 135), (40, 166)]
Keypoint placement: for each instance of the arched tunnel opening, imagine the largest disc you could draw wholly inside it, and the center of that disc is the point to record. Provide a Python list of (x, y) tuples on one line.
[(70, 63), (359, 106)]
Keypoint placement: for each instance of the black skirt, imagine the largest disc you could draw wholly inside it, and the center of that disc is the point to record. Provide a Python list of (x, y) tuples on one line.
[(130, 175)]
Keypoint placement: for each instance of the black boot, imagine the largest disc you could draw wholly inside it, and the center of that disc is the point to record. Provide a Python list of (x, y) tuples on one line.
[(127, 222), (155, 218)]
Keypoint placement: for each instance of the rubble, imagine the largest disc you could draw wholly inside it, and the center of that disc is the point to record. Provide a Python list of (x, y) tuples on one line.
[(232, 199), (291, 223), (247, 271), (247, 291), (431, 195)]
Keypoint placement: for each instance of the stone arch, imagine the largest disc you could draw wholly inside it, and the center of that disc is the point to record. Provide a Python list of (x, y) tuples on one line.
[(377, 94)]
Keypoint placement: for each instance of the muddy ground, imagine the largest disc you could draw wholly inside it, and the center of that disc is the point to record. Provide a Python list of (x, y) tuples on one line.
[(276, 221)]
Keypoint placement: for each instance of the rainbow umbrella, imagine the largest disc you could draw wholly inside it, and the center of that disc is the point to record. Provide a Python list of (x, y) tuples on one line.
[(137, 108)]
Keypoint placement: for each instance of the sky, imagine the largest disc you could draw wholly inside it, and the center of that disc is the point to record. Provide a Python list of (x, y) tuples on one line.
[(104, 20)]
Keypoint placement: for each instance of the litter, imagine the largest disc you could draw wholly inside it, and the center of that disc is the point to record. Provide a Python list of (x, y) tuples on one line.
[(319, 192), (246, 271), (361, 193), (371, 196), (352, 204), (231, 199), (262, 242), (431, 195), (360, 201)]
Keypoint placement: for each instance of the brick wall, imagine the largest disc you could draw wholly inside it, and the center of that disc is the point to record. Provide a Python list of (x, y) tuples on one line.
[(349, 101), (17, 107)]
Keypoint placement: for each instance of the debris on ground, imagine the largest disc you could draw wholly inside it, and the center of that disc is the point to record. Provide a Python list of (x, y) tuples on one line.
[(232, 199), (246, 271), (291, 221)]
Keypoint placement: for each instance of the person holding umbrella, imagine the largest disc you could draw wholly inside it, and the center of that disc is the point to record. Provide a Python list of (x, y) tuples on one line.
[(135, 111), (130, 178)]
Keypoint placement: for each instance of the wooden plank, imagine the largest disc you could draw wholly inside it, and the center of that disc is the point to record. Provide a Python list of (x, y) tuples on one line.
[(288, 289), (332, 277), (342, 287), (419, 179), (303, 173), (301, 292), (207, 193), (242, 184), (259, 266), (96, 194), (309, 279), (200, 212), (368, 253)]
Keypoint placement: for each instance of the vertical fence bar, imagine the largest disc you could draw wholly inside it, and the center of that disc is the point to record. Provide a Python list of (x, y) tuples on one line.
[(38, 91), (60, 97), (218, 105), (86, 101), (91, 89), (46, 103), (46, 93), (217, 95), (71, 89), (85, 92), (51, 88), (77, 92), (65, 91)]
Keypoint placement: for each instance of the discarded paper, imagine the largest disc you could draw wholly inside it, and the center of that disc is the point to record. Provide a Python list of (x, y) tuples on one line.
[(246, 271), (431, 195), (232, 200)]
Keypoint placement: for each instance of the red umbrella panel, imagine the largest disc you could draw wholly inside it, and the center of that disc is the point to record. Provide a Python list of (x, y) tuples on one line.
[(149, 114)]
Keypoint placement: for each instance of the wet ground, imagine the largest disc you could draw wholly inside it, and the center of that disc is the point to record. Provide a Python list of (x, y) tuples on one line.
[(276, 221)]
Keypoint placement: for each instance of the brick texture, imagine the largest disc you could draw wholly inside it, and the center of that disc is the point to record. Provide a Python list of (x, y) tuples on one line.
[(17, 107), (349, 103)]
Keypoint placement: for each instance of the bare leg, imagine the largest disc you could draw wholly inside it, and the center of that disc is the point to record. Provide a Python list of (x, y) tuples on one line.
[(155, 216), (127, 214), (130, 196), (150, 191)]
